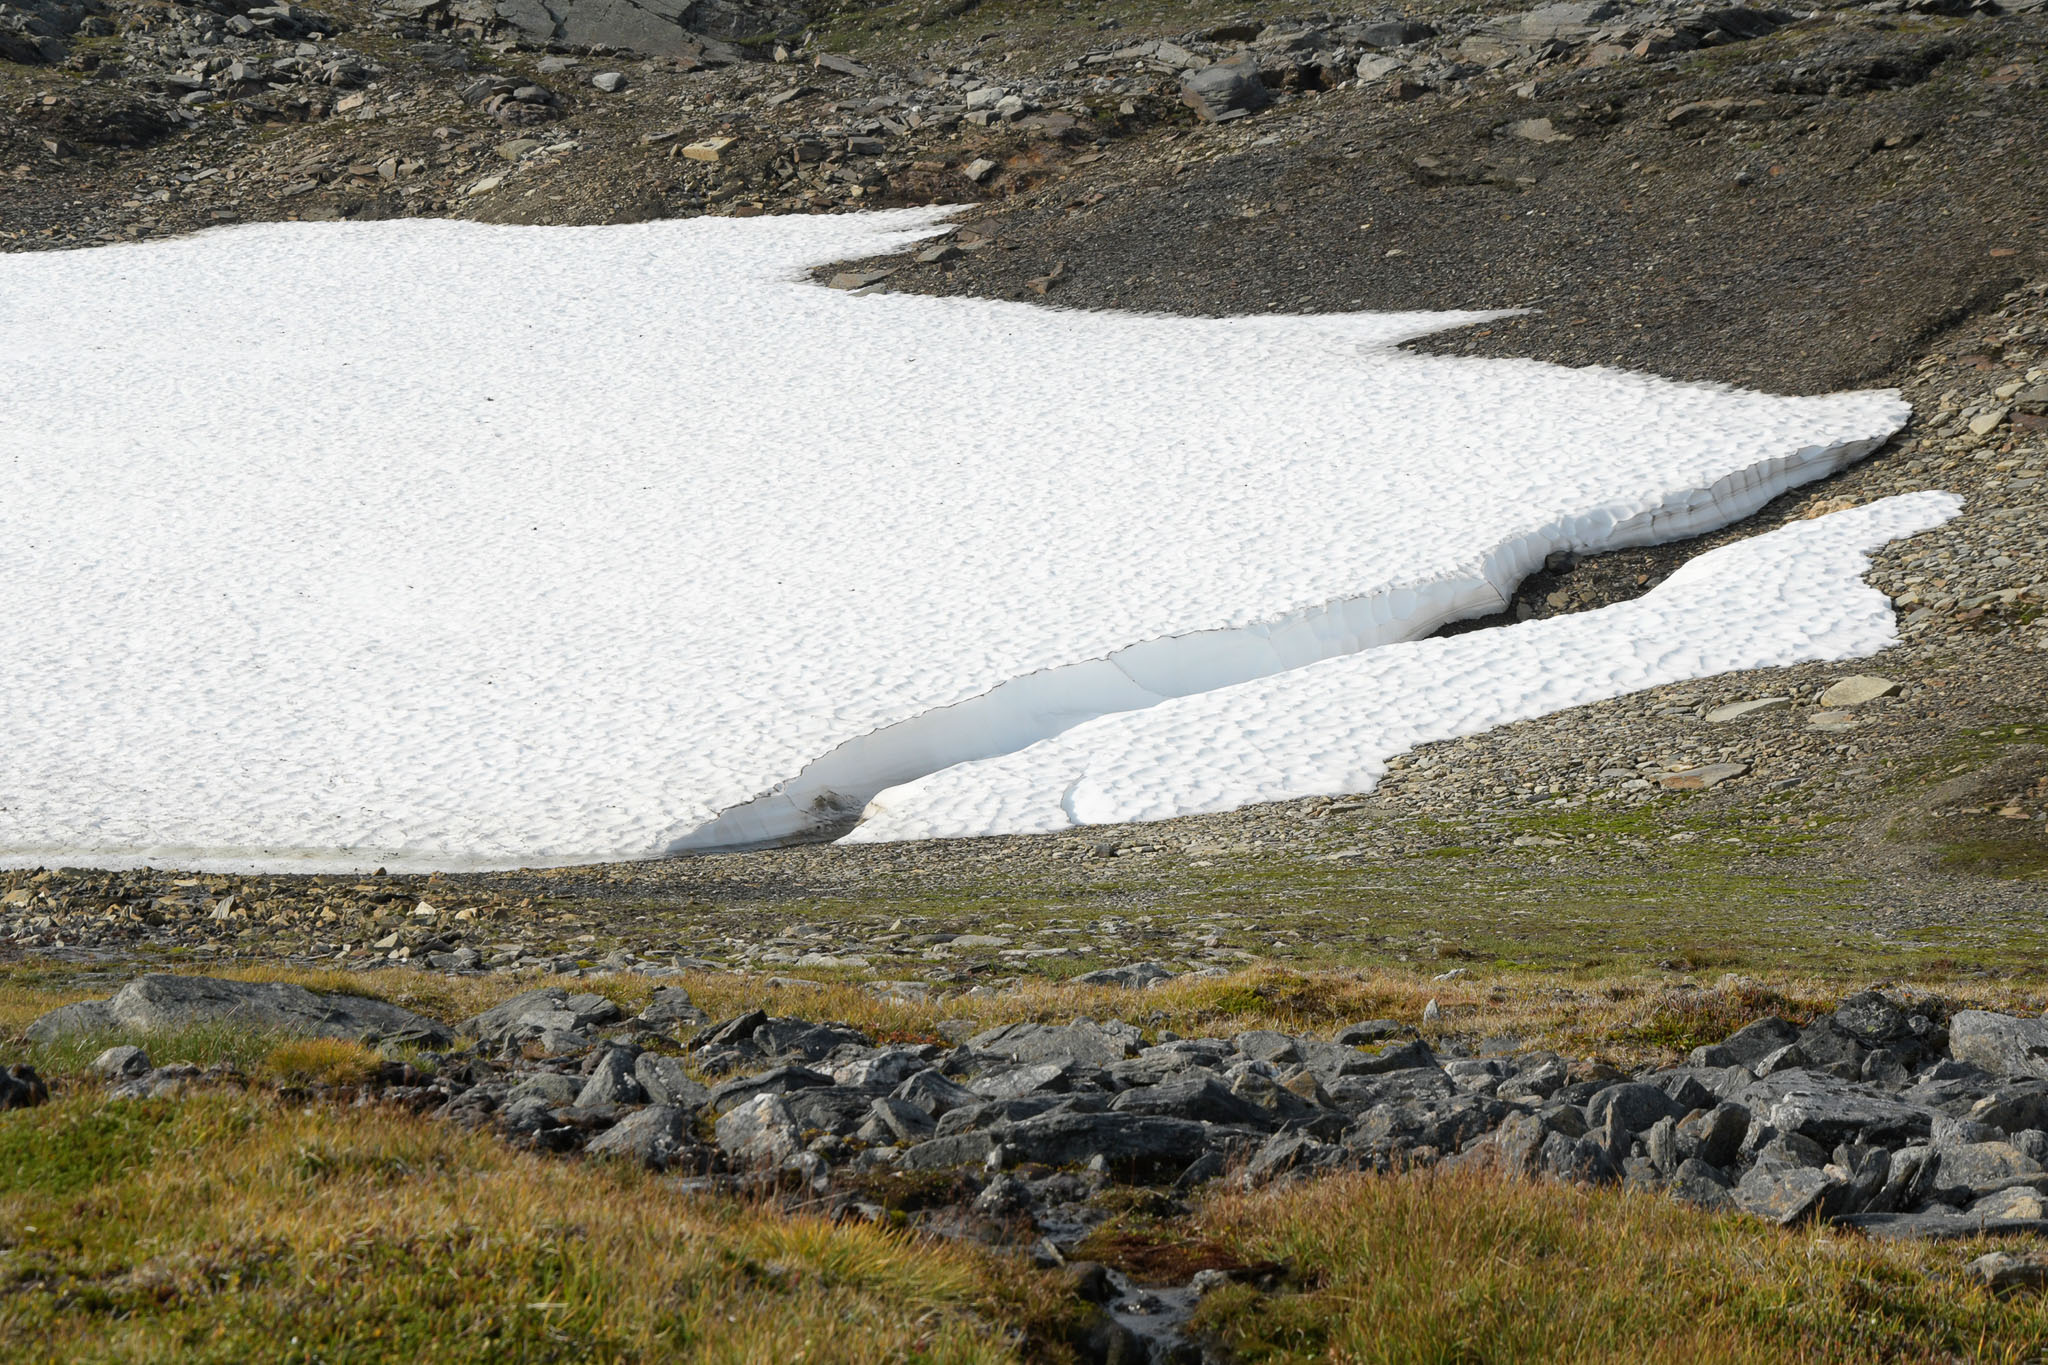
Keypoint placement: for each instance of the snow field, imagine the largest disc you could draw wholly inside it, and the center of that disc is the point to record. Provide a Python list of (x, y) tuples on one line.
[(452, 545)]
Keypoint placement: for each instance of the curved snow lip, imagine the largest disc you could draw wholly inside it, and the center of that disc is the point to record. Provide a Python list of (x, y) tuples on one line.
[(826, 798), (1792, 595)]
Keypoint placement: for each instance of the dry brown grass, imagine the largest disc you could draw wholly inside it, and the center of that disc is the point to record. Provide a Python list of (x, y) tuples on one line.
[(232, 1227), (1624, 1019), (1471, 1268)]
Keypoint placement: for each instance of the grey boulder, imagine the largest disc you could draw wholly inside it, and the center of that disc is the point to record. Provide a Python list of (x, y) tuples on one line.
[(760, 1132), (2000, 1043), (654, 1137), (1225, 91), (1788, 1195), (160, 1003)]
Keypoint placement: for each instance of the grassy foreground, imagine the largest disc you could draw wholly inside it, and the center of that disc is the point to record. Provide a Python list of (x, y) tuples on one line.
[(245, 1222), (231, 1227)]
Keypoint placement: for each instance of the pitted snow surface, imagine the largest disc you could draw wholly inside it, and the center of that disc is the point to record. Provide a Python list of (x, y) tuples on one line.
[(440, 544), (1793, 595)]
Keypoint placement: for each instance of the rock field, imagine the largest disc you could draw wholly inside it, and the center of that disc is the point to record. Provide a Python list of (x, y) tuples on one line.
[(1903, 1116)]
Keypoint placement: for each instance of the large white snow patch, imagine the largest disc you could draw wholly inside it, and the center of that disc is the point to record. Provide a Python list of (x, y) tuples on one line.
[(1790, 596), (441, 544)]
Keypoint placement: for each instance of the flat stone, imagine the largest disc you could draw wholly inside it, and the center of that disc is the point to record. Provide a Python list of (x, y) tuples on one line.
[(1701, 779), (1537, 130), (1984, 423), (161, 1003), (1736, 710), (709, 149), (1136, 976), (1832, 720), (1858, 690), (1940, 1226)]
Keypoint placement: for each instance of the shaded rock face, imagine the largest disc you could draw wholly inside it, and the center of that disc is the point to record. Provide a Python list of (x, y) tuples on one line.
[(158, 1003)]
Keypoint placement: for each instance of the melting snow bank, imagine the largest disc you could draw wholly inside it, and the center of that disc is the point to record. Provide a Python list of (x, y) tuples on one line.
[(834, 790), (472, 546), (1790, 596)]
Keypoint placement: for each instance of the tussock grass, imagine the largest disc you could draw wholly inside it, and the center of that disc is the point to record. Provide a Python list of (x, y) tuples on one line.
[(319, 1061), (233, 1227), (1465, 1268)]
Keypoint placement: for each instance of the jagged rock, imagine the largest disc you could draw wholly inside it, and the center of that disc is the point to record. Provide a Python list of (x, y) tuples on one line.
[(654, 1137), (1224, 91), (1789, 1195), (1635, 1103), (160, 1003), (537, 1015), (1858, 690), (670, 1006), (612, 1081), (1201, 1097), (759, 1132), (665, 1082), (780, 1080), (2000, 1043), (1696, 1182)]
